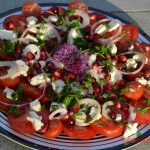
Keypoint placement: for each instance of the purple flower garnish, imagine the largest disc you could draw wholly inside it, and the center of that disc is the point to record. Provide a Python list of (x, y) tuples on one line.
[(73, 60)]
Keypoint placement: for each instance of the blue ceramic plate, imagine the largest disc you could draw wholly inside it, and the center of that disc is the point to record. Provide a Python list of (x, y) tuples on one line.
[(37, 141)]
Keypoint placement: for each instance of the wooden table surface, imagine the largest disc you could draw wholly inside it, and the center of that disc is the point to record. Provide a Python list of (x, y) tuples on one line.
[(135, 11)]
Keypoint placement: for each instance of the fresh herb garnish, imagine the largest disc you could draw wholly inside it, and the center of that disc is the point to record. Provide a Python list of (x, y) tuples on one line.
[(123, 35), (69, 12), (67, 100), (144, 110), (107, 63), (13, 109), (123, 90), (105, 95), (81, 43), (138, 134), (61, 21), (115, 87), (147, 101), (17, 94), (74, 24), (101, 81)]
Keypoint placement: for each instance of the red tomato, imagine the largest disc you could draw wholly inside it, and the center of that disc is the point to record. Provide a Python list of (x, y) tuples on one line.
[(130, 32), (147, 92), (142, 118), (18, 21), (78, 131), (31, 9), (45, 120), (78, 5), (135, 91), (107, 128), (55, 128), (33, 91), (20, 123)]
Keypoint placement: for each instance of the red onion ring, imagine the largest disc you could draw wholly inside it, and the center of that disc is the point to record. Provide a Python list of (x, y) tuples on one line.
[(143, 60)]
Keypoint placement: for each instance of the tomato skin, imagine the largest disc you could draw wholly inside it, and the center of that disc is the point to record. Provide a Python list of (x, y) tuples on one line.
[(135, 92), (78, 131), (109, 129), (9, 82), (20, 123), (146, 93), (33, 92), (18, 21), (131, 34), (54, 129), (31, 9)]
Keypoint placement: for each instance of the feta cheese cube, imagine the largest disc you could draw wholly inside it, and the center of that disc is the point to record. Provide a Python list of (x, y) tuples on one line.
[(53, 18), (36, 120), (92, 59), (7, 35), (58, 85), (141, 80), (131, 48), (112, 48), (31, 20), (113, 25), (8, 92), (131, 63), (130, 129), (35, 105), (137, 57), (39, 79), (101, 29), (118, 117)]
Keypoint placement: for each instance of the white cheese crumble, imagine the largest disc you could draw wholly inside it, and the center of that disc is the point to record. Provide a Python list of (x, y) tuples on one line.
[(8, 92), (131, 48), (130, 129), (36, 120), (33, 49), (31, 20), (92, 59), (141, 80), (113, 25), (58, 85), (118, 117), (101, 29), (131, 63), (136, 57), (113, 48), (39, 79), (52, 18), (115, 75), (7, 35), (35, 105)]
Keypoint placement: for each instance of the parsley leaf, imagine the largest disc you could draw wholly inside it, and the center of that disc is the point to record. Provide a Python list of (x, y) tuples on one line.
[(144, 110), (107, 63), (69, 12), (61, 21), (147, 101), (13, 109), (81, 43), (105, 95), (123, 90)]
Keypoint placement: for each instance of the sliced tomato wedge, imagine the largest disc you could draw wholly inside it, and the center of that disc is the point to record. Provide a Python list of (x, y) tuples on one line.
[(107, 128), (78, 131), (130, 32), (45, 120), (18, 22), (54, 129), (20, 123), (31, 9), (135, 91)]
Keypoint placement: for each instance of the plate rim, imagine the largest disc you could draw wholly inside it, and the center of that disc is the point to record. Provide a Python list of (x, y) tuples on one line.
[(30, 145)]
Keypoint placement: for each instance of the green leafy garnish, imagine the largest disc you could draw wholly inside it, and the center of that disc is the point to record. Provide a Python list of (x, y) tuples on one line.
[(13, 109), (147, 101), (123, 35), (61, 21), (69, 12), (67, 100), (115, 87), (125, 89), (138, 134), (81, 43), (144, 110), (74, 24), (105, 95), (17, 94), (107, 63), (101, 81)]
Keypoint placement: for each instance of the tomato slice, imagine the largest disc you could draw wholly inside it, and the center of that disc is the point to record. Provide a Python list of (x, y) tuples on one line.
[(18, 21), (135, 91), (147, 92), (107, 128), (32, 91), (130, 32), (20, 123), (78, 131), (45, 120), (55, 128), (31, 9)]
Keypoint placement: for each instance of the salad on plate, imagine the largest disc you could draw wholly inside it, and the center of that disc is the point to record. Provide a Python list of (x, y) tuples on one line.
[(73, 71)]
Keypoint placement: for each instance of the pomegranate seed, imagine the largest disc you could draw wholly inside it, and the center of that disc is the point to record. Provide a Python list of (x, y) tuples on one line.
[(113, 96), (71, 76), (87, 29), (116, 57), (37, 65), (122, 58), (76, 108), (70, 121), (10, 26), (43, 56), (19, 50), (65, 117), (106, 77), (95, 65), (95, 37), (126, 106), (100, 99), (108, 56), (93, 16), (119, 66), (50, 65), (30, 56), (120, 83), (118, 104), (109, 86), (112, 115), (147, 73), (46, 69), (55, 10), (97, 89), (58, 74), (71, 113)]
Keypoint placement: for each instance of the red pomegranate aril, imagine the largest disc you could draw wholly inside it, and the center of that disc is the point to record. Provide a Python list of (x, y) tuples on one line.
[(87, 29), (97, 89), (116, 57), (100, 99), (96, 37), (19, 50), (76, 108), (108, 56), (30, 56), (112, 115), (126, 106), (118, 104), (46, 69), (70, 121), (93, 16), (65, 117), (120, 83), (113, 96), (71, 76), (43, 56), (122, 58), (37, 65), (147, 73), (50, 65), (58, 74), (95, 65), (71, 113), (10, 26), (55, 9), (109, 86), (106, 77)]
